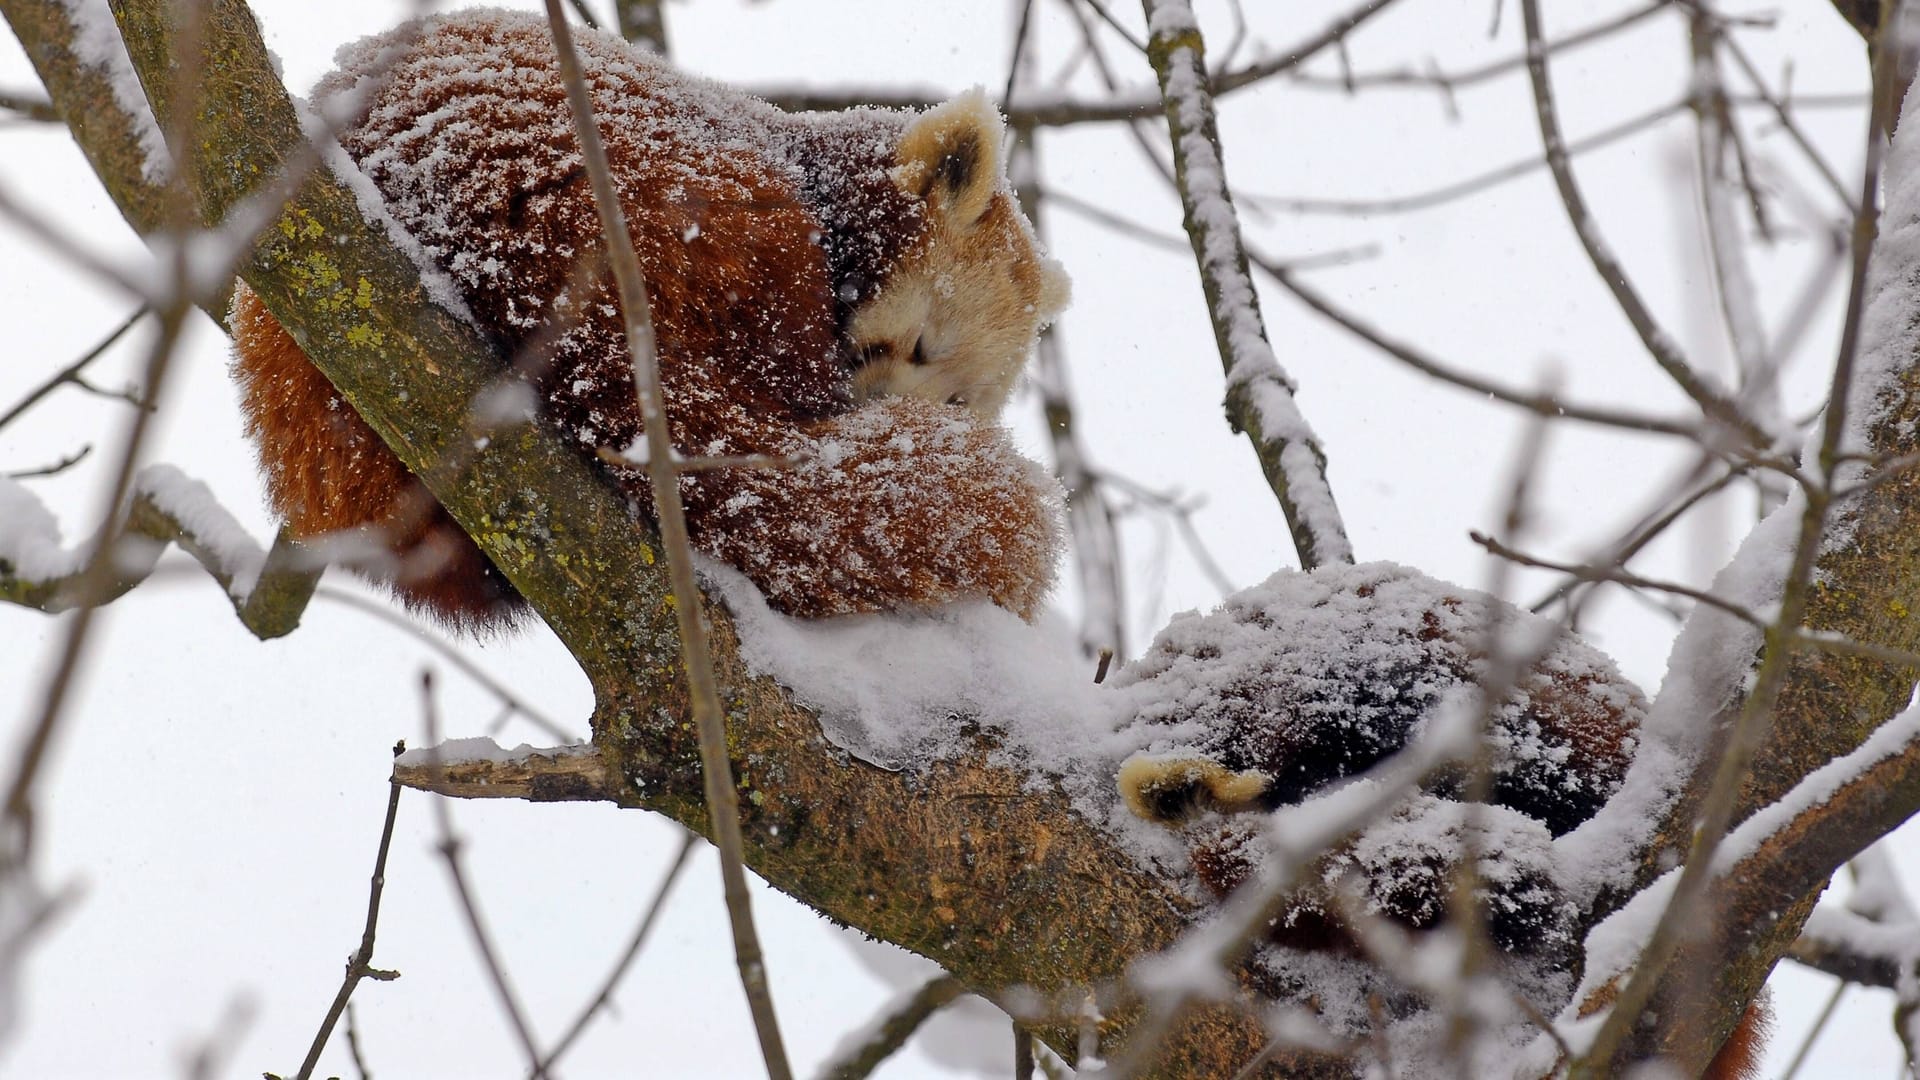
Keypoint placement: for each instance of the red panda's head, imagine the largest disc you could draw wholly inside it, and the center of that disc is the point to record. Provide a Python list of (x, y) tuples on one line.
[(957, 315)]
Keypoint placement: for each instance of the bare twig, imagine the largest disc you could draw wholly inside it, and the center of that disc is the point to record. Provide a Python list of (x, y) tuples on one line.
[(892, 1033), (643, 22), (353, 1045), (1015, 62), (635, 943), (360, 963), (1472, 185), (1785, 118), (513, 702), (1450, 82), (1715, 135), (1813, 1033), (1116, 25), (721, 794), (56, 468), (1540, 403), (1616, 574), (1096, 543), (98, 574), (29, 106), (1664, 350), (1063, 111), (71, 374), (450, 848)]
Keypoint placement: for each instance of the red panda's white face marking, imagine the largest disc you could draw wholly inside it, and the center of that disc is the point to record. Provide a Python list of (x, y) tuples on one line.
[(956, 318)]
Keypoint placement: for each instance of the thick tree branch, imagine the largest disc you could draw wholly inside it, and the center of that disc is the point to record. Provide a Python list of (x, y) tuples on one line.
[(996, 850)]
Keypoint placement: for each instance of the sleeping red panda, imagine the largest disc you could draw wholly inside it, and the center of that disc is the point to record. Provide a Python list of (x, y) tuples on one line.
[(857, 291)]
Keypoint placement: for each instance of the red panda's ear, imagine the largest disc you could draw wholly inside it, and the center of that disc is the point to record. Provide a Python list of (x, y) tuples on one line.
[(950, 156)]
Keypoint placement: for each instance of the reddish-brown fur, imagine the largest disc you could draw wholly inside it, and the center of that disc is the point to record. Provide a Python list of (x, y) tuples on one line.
[(1741, 1055), (753, 262)]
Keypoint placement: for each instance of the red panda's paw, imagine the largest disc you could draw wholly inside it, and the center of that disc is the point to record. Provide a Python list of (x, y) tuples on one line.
[(1170, 789)]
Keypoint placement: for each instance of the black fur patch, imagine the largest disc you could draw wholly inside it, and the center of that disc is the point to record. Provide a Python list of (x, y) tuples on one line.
[(958, 164)]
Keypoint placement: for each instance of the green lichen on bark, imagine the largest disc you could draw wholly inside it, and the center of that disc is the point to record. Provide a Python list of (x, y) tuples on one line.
[(961, 863)]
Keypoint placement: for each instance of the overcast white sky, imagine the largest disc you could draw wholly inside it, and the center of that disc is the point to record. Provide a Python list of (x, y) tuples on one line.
[(219, 798)]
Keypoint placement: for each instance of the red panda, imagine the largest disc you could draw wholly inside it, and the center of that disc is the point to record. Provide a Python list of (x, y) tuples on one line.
[(857, 291), (1300, 684)]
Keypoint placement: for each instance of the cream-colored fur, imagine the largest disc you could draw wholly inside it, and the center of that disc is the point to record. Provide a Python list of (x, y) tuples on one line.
[(1150, 784), (957, 317)]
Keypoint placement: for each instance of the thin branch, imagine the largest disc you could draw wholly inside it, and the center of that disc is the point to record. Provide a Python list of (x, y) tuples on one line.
[(1616, 575), (450, 849), (721, 794), (360, 963), (1450, 82), (1334, 33), (268, 592), (71, 373), (1473, 185), (1664, 350), (28, 106), (1540, 403), (643, 22), (97, 576), (353, 1045), (1116, 25), (1260, 398), (858, 1063), (1060, 111), (512, 702), (1813, 1033), (1014, 63), (54, 469), (1096, 542), (1785, 118), (1716, 810), (602, 998)]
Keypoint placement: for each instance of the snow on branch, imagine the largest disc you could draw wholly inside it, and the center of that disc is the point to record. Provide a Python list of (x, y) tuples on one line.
[(992, 846), (1260, 398), (269, 590), (79, 66)]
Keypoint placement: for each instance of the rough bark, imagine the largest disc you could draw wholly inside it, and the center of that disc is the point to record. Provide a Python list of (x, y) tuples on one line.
[(1003, 886)]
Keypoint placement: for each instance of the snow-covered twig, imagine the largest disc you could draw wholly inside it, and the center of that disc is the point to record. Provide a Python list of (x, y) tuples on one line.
[(1260, 398), (269, 590)]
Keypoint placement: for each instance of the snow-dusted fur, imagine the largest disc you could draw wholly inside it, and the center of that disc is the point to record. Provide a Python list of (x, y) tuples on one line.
[(857, 291), (1306, 681)]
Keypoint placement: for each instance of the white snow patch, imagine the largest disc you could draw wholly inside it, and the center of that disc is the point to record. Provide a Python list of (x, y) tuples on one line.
[(190, 503), (97, 45), (480, 748), (30, 537)]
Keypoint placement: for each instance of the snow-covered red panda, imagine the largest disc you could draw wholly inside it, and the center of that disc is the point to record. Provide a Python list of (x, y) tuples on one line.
[(1299, 684), (856, 290)]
